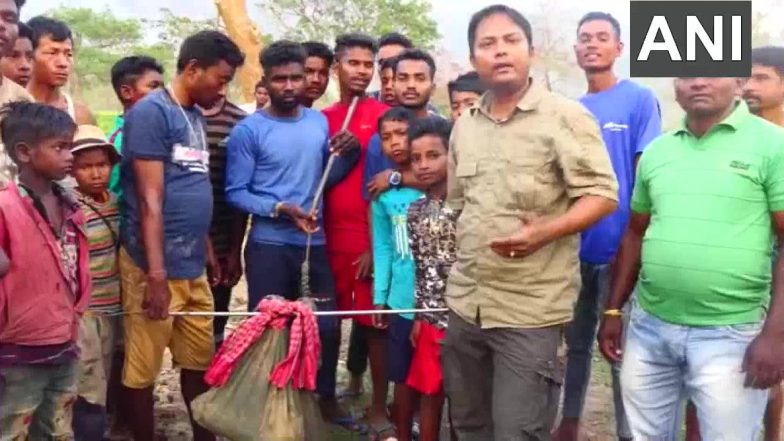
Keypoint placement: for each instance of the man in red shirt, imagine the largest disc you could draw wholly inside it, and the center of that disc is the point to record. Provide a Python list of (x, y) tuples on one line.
[(345, 210)]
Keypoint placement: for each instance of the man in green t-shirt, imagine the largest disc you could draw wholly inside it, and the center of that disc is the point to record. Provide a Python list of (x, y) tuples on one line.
[(708, 199), (763, 92)]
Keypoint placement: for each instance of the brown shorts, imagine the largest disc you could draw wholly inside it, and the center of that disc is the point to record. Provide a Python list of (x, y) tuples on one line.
[(189, 338)]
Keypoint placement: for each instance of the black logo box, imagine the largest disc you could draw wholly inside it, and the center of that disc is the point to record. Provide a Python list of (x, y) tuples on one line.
[(659, 63)]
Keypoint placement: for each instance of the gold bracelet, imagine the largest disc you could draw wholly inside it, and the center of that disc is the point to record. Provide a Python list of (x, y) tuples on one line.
[(613, 313)]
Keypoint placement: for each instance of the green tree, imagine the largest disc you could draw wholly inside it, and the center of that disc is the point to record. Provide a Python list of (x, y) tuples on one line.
[(99, 37), (554, 57), (323, 20), (173, 29)]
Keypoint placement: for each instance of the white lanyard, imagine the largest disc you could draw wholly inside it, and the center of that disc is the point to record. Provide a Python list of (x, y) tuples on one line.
[(188, 121)]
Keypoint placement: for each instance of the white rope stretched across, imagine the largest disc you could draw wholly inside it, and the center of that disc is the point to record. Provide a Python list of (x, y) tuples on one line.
[(316, 313)]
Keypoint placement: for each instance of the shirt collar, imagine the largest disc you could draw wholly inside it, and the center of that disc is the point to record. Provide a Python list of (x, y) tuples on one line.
[(530, 100), (63, 194), (733, 121)]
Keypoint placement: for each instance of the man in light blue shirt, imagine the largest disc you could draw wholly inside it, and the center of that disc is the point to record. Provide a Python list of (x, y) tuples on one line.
[(276, 158)]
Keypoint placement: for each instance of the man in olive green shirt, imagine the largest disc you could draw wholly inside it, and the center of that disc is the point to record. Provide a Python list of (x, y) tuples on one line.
[(529, 170), (707, 202)]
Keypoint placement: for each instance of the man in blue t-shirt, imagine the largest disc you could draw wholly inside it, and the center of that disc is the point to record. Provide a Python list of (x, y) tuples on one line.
[(166, 220), (276, 158), (629, 117)]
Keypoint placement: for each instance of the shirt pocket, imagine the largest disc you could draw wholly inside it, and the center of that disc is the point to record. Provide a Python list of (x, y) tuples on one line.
[(466, 169), (467, 173), (520, 190)]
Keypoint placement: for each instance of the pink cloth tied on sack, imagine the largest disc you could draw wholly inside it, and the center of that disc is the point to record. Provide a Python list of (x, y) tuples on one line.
[(301, 363)]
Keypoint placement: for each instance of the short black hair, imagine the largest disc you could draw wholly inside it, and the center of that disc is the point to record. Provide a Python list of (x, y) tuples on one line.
[(43, 26), (416, 55), (32, 123), (395, 39), (129, 69), (601, 16), (769, 56), (209, 48), (280, 53), (398, 113), (25, 31), (259, 83), (387, 63), (319, 50), (431, 125), (467, 82), (348, 41), (512, 13)]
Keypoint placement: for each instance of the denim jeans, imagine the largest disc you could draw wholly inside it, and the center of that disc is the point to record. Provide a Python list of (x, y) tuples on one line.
[(580, 337), (663, 363), (36, 402)]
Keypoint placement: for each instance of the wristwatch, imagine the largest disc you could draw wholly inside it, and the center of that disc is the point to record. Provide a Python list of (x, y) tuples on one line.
[(276, 211), (395, 179)]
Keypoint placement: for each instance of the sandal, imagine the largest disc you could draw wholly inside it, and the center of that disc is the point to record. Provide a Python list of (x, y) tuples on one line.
[(349, 423), (384, 432)]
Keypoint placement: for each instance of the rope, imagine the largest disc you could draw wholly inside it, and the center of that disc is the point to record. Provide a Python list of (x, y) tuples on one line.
[(316, 313)]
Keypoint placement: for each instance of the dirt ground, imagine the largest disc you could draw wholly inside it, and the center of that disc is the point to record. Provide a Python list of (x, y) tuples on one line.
[(172, 419)]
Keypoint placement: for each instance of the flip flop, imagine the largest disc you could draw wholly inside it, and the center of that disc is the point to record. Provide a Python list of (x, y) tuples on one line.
[(350, 424)]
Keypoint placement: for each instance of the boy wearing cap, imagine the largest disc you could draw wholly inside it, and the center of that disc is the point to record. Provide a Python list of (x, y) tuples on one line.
[(93, 159)]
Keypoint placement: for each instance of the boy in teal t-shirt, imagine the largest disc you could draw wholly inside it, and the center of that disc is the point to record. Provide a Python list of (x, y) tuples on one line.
[(393, 273), (133, 78)]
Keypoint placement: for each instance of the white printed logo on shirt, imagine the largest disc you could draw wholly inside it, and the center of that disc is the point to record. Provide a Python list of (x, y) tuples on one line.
[(615, 127)]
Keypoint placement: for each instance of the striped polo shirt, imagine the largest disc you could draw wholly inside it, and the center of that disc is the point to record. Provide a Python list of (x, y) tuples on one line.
[(218, 128), (102, 225)]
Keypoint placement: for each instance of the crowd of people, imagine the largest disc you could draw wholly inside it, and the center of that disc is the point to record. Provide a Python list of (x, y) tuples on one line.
[(530, 217)]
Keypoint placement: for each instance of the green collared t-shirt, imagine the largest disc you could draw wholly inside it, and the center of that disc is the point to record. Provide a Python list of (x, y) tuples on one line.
[(115, 137), (706, 253)]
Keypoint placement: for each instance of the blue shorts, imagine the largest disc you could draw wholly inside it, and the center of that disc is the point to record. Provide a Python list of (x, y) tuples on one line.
[(399, 349)]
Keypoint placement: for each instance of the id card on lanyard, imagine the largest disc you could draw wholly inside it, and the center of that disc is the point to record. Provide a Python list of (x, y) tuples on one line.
[(195, 157)]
